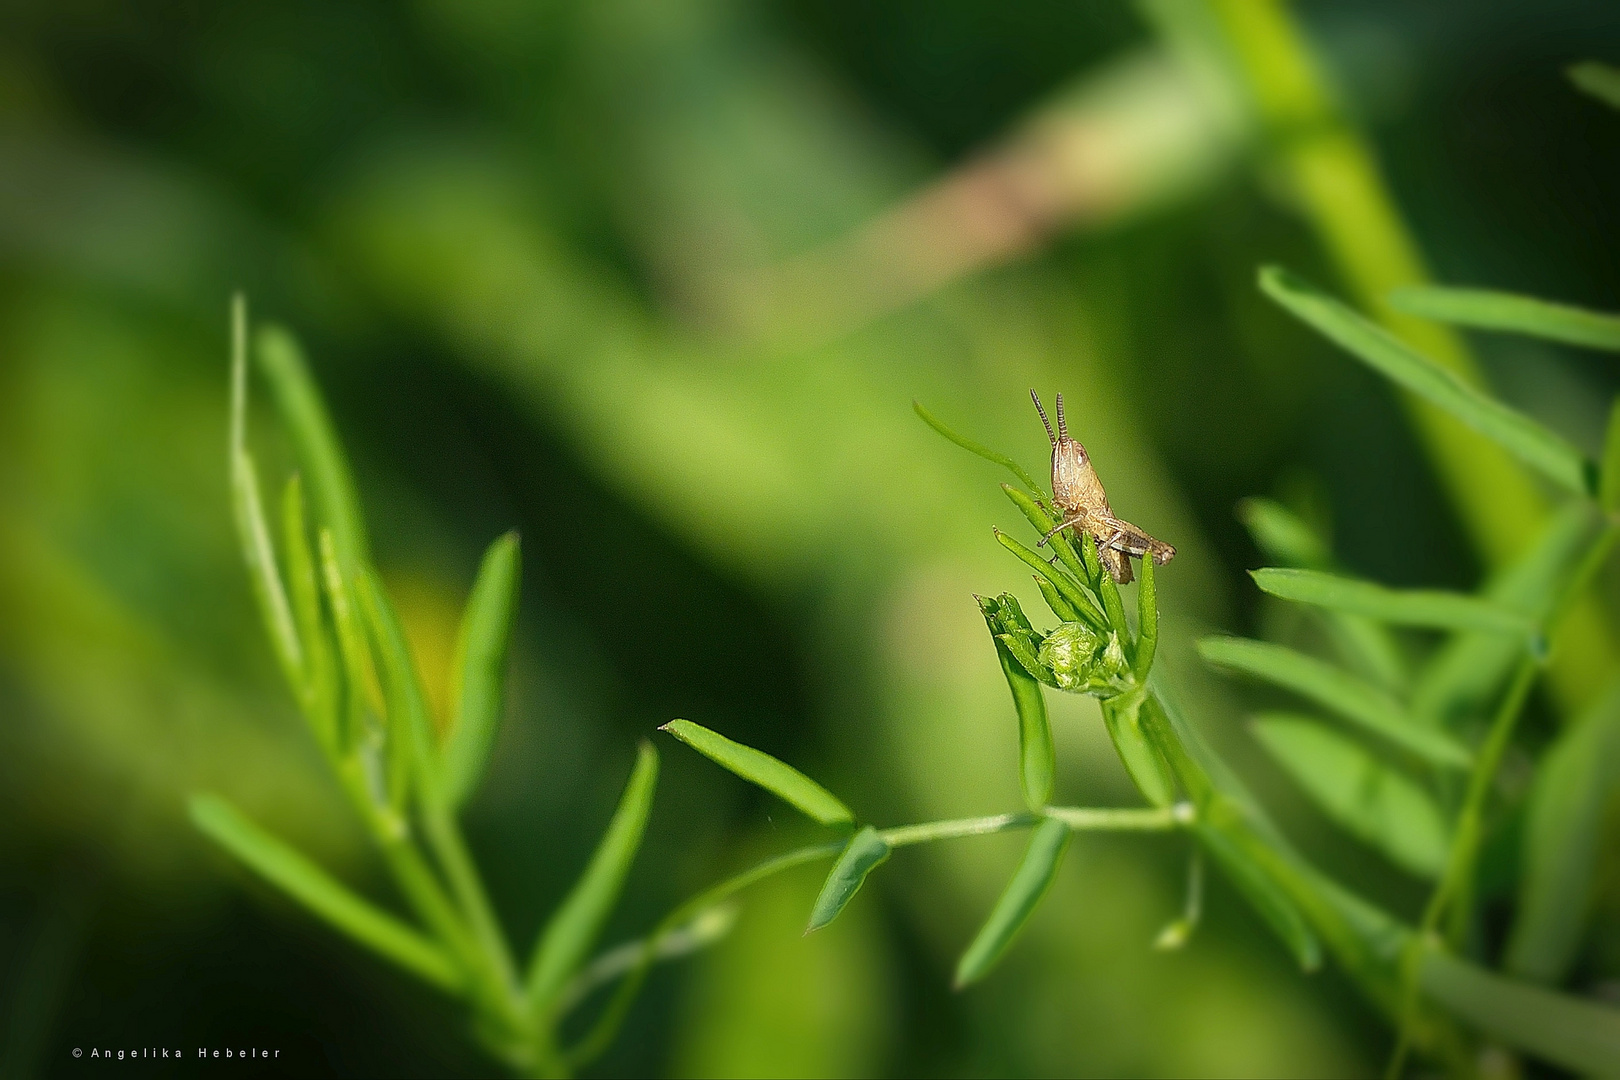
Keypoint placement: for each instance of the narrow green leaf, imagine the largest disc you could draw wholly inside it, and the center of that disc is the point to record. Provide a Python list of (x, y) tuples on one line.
[(320, 452), (1403, 607), (1064, 611), (1544, 450), (1578, 1034), (1113, 607), (864, 852), (365, 697), (1284, 537), (320, 696), (1486, 309), (292, 873), (410, 727), (573, 928), (1035, 874), (1037, 756), (1467, 672), (1609, 477), (1147, 621), (1374, 802), (1146, 766), (1065, 585), (257, 551), (1041, 517), (1273, 905), (758, 767), (1337, 690), (1573, 789), (980, 449), (1600, 80), (478, 674)]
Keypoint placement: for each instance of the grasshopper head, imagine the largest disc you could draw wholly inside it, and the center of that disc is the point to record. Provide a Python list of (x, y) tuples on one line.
[(1071, 466)]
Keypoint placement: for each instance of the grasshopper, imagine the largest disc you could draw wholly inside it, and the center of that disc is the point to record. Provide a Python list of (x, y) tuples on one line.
[(1079, 493)]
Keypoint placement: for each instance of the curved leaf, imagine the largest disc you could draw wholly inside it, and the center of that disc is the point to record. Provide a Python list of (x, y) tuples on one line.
[(1374, 802), (1487, 309), (1029, 883), (1404, 607), (1535, 445), (574, 926), (1600, 80), (478, 674), (758, 767), (865, 851), (1037, 756), (1337, 690), (290, 871)]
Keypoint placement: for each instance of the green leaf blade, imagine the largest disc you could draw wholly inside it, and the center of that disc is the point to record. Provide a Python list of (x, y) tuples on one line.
[(478, 672), (1029, 884), (1600, 80), (760, 768), (1431, 608), (865, 851), (1579, 1034), (1145, 765), (1147, 622), (1229, 850), (992, 456), (294, 874), (1543, 450), (1065, 585), (1487, 309), (320, 451), (573, 928), (1609, 472), (1372, 801), (1339, 691), (410, 726), (1572, 791), (1037, 755)]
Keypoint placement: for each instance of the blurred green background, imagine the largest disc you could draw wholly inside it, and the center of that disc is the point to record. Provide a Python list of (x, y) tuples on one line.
[(655, 282)]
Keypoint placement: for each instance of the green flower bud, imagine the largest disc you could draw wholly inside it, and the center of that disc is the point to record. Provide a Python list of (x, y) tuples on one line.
[(1085, 662)]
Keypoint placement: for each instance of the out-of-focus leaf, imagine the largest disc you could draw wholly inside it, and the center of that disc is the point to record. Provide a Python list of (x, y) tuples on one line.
[(1578, 1034), (359, 674), (1279, 912), (1468, 670), (288, 870), (1486, 309), (254, 533), (478, 673), (1600, 80), (1406, 607), (758, 767), (319, 697), (1284, 537), (1373, 801), (573, 928), (864, 852), (1543, 450), (1122, 720), (1573, 790), (1029, 883), (1037, 757), (320, 452), (1337, 690), (972, 447), (410, 728), (1609, 479), (1064, 584)]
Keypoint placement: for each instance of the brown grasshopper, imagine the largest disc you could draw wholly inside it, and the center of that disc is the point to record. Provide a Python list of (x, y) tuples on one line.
[(1079, 494)]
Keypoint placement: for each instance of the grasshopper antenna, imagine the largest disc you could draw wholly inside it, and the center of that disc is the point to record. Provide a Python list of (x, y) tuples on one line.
[(1038, 408), (1063, 427)]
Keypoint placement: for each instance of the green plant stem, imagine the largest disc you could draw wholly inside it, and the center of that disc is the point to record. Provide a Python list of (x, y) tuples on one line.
[(927, 832), (1336, 181), (468, 888), (1108, 819)]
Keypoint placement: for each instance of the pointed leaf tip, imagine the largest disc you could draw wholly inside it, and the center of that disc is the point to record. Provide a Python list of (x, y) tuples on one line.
[(758, 767), (865, 851)]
